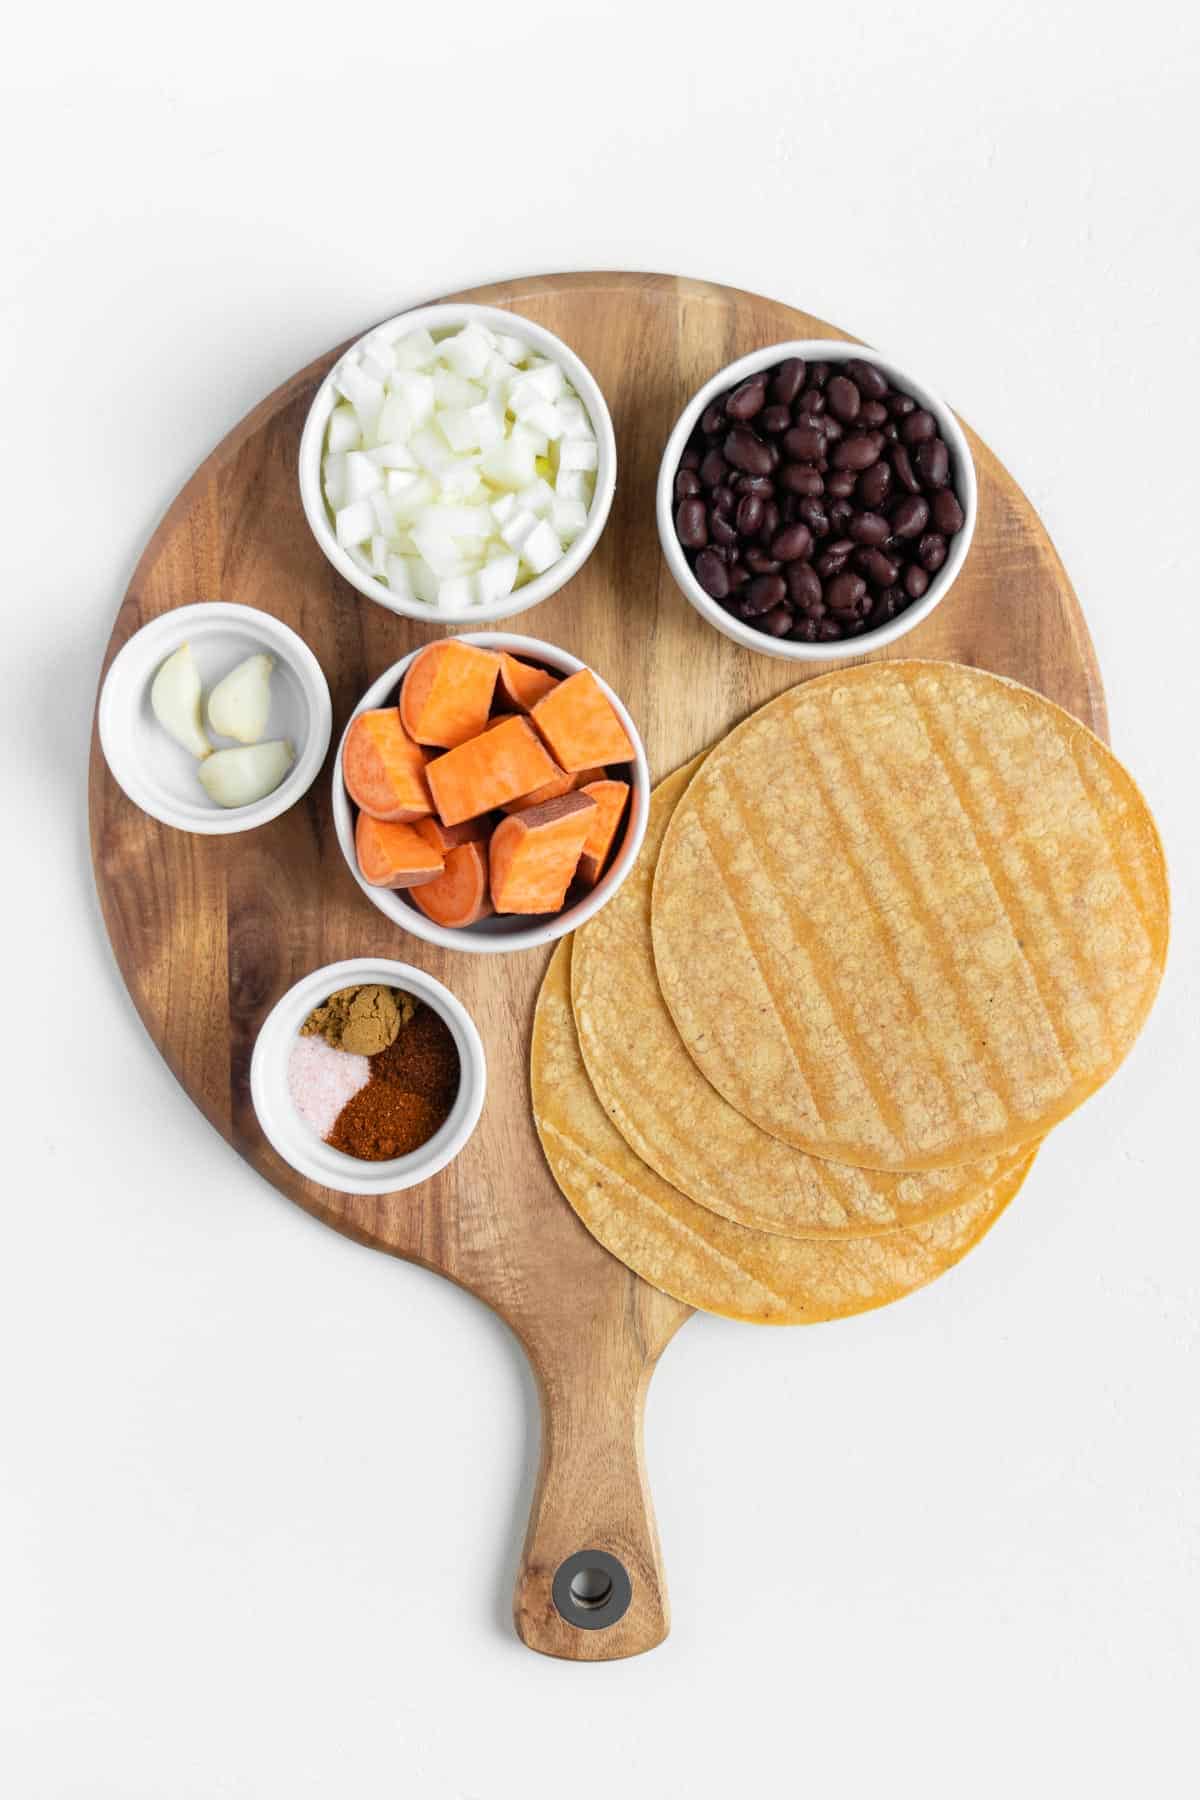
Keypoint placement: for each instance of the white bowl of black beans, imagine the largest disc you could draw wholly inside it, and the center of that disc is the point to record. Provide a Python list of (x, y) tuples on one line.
[(815, 501)]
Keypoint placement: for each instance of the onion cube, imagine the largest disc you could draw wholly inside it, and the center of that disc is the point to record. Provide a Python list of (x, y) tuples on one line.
[(431, 450), (461, 481), (355, 523), (573, 414), (504, 508), (452, 393), (379, 556), (537, 498), (487, 421), (512, 349), (517, 529), (468, 351), (385, 513), (334, 472), (577, 453), (545, 382), (399, 481), (416, 390), (509, 464), (415, 351), (569, 518), (393, 456), (344, 432), (572, 484), (541, 547), (544, 418), (458, 429), (438, 549), (399, 578), (364, 393), (424, 581), (413, 500), (362, 475), (378, 357), (496, 579), (530, 439)]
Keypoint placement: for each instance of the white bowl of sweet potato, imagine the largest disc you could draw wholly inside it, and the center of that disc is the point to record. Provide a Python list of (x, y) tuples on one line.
[(490, 792)]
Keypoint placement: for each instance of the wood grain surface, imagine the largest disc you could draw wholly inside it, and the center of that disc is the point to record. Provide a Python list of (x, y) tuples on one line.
[(208, 932)]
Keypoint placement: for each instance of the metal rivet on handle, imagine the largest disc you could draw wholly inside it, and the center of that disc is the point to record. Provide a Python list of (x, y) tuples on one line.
[(592, 1589)]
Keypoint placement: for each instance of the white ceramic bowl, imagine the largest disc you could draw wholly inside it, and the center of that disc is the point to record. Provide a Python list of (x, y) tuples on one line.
[(160, 776), (439, 320), (962, 476), (510, 931), (294, 1138)]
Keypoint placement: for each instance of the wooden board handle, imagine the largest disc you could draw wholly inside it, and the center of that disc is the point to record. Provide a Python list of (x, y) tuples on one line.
[(591, 1586)]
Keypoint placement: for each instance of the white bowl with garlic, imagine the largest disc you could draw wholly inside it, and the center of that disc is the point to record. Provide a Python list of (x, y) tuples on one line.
[(214, 718), (458, 464)]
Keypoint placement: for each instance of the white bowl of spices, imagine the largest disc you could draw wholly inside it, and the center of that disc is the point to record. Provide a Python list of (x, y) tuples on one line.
[(368, 1076)]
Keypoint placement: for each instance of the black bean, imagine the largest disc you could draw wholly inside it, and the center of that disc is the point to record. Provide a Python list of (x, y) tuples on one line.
[(841, 484), (801, 478), (774, 419), (814, 516), (812, 400), (747, 451), (764, 592), (691, 457), (749, 514), (910, 516), (712, 419), (870, 381), (754, 484), (918, 427), (948, 515), (770, 521), (759, 562), (687, 483), (803, 443), (792, 544), (932, 551), (811, 421), (804, 631), (902, 466), (869, 528), (873, 414), (880, 570), (818, 374), (720, 530), (857, 452), (748, 398), (803, 586), (738, 576), (900, 405), (787, 381), (777, 622), (873, 485), (845, 593), (845, 401), (714, 469), (840, 514), (829, 630), (832, 561), (712, 574), (891, 601), (933, 463), (691, 526), (723, 498), (915, 581)]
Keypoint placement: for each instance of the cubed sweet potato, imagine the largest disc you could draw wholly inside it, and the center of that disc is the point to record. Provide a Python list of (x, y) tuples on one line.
[(520, 684), (611, 799), (480, 775), (580, 726), (533, 854), (394, 855), (383, 769), (459, 895), (447, 692)]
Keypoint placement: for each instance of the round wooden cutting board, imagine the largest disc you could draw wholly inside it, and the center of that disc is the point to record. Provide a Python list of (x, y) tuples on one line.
[(209, 931)]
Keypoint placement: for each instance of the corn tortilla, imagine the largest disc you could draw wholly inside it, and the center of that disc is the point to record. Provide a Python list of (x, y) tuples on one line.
[(678, 1123), (691, 1253), (910, 915)]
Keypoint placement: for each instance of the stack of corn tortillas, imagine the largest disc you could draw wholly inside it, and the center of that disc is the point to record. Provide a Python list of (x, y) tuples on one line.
[(881, 939)]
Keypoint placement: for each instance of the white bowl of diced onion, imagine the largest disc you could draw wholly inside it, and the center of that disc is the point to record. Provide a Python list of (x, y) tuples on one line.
[(458, 464)]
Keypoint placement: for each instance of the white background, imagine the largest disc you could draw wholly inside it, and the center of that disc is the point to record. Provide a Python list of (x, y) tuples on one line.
[(262, 1490)]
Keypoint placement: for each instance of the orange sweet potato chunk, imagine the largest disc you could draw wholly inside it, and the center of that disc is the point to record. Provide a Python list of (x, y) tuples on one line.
[(499, 765), (459, 895), (521, 685), (579, 724), (533, 854), (394, 855), (384, 770), (447, 692), (611, 799)]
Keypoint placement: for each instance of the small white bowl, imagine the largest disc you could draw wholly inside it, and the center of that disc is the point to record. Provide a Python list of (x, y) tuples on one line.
[(440, 320), (506, 931), (294, 1138), (963, 481), (159, 775)]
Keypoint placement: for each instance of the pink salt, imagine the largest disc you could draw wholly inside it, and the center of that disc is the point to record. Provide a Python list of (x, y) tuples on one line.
[(321, 1080)]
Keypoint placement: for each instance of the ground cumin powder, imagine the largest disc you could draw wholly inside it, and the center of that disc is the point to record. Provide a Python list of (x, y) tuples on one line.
[(413, 1085)]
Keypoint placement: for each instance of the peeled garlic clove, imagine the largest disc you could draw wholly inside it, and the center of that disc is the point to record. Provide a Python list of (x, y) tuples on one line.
[(240, 777), (238, 706), (175, 698)]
